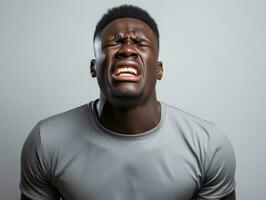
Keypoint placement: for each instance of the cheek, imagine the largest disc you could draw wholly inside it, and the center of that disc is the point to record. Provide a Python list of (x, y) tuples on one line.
[(151, 71), (101, 63), (103, 66), (150, 64), (149, 56)]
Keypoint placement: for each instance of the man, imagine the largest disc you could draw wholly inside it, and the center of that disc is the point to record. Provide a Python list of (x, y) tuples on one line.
[(127, 145)]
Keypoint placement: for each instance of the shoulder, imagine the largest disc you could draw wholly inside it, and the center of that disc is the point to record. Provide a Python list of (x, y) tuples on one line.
[(56, 132), (59, 130), (65, 123), (204, 137), (63, 119), (189, 124), (51, 127)]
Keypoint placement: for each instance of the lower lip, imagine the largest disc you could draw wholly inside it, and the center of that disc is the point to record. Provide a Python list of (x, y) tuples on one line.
[(126, 78)]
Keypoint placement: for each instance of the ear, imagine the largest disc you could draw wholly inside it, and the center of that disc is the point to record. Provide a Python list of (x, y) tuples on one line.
[(92, 68), (159, 70)]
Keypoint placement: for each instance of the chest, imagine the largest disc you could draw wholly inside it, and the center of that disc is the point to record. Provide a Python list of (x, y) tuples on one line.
[(132, 171)]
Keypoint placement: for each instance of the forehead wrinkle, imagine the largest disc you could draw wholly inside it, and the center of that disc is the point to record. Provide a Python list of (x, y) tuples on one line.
[(132, 25)]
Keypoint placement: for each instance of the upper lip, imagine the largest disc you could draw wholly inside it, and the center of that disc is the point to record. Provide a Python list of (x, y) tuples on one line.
[(126, 63)]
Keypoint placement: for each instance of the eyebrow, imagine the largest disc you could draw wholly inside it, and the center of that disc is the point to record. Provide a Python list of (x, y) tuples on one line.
[(132, 36), (118, 36)]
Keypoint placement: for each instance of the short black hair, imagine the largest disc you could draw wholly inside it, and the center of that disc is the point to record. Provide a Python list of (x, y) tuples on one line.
[(126, 11)]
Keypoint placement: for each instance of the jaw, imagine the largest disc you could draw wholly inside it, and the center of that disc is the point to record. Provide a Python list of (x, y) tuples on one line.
[(127, 97), (126, 82), (127, 90), (131, 94)]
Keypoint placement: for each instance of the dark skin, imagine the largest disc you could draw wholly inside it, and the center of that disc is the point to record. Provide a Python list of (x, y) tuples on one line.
[(126, 42), (128, 105)]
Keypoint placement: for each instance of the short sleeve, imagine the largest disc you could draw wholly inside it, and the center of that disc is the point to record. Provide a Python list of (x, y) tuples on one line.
[(219, 167), (34, 180)]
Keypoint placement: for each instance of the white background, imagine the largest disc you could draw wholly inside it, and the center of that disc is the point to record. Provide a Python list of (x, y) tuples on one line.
[(214, 62)]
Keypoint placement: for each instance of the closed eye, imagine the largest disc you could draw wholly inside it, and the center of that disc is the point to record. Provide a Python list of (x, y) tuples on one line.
[(144, 44), (110, 44), (141, 42)]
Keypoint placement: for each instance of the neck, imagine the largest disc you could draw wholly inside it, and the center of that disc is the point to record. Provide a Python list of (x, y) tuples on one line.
[(130, 119)]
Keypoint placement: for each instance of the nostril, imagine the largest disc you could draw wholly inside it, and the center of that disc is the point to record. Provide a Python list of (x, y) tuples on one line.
[(127, 50), (122, 53), (125, 55)]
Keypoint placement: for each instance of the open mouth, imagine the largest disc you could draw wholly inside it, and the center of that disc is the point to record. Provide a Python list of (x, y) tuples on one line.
[(126, 73)]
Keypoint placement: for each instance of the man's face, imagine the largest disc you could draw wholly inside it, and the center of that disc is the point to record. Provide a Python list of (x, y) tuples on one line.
[(126, 62)]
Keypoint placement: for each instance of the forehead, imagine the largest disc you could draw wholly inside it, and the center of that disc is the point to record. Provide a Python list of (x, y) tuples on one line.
[(128, 25)]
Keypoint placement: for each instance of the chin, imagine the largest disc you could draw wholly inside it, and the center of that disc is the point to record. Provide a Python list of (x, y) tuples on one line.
[(127, 97)]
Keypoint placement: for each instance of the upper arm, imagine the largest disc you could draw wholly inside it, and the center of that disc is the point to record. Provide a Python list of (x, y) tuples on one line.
[(35, 180), (219, 168), (23, 197), (231, 196)]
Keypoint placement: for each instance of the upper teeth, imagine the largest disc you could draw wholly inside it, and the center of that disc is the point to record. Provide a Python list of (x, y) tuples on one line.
[(126, 70)]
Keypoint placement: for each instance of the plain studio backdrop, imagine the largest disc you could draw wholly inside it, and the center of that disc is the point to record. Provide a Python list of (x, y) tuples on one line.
[(214, 63)]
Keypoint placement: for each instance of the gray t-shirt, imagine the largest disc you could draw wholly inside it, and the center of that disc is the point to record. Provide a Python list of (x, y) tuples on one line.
[(72, 155)]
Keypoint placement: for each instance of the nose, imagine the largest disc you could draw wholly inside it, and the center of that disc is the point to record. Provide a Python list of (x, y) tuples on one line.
[(127, 50)]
